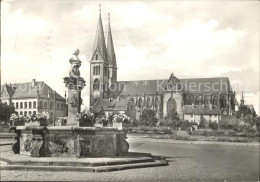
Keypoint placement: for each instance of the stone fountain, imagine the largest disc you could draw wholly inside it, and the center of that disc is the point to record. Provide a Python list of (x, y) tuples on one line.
[(70, 140)]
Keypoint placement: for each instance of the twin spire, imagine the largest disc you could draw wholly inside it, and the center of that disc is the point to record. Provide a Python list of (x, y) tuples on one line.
[(107, 51)]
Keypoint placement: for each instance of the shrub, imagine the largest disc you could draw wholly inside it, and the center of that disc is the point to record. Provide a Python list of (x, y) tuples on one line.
[(213, 125)]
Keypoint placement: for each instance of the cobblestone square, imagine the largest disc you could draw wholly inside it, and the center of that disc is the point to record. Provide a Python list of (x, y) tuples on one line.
[(188, 161)]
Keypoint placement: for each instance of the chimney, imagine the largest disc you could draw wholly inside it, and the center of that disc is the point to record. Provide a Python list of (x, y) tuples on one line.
[(210, 106), (33, 82)]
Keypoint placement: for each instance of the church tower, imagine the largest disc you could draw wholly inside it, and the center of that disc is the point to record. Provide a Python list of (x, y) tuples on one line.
[(111, 56), (99, 66)]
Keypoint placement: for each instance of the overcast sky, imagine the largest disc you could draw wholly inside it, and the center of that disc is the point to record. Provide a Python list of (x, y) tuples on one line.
[(152, 39)]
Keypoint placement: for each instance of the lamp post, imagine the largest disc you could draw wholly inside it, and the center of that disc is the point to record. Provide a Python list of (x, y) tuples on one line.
[(53, 92)]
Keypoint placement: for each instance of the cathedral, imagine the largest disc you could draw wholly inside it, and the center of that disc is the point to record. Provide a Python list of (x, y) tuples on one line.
[(163, 96)]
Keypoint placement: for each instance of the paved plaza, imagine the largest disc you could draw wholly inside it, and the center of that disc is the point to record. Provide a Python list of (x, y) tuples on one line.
[(188, 161)]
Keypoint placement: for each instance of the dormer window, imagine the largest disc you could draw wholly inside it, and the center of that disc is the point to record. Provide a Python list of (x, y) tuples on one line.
[(96, 56)]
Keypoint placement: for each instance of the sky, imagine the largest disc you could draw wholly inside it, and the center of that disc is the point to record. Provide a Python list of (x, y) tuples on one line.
[(152, 39)]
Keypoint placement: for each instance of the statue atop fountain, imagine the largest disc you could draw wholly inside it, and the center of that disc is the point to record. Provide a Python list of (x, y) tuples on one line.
[(75, 84)]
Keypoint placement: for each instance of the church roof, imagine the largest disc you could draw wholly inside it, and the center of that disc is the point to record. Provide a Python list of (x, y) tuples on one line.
[(26, 90), (99, 43), (107, 104), (192, 85), (110, 46), (201, 109)]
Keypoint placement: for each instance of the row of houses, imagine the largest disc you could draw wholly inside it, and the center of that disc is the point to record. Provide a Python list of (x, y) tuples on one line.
[(34, 97)]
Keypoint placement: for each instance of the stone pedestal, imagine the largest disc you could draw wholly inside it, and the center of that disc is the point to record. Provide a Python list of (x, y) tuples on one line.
[(74, 102)]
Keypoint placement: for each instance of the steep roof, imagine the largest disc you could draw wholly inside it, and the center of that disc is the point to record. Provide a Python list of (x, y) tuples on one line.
[(201, 109), (192, 85), (99, 43), (27, 90), (107, 104), (110, 46)]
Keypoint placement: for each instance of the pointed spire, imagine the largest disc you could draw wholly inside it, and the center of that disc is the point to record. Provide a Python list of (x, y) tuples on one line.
[(110, 46), (242, 102), (100, 44)]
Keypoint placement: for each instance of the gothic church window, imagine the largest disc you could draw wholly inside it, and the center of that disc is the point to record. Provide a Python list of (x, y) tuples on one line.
[(156, 102), (171, 107), (197, 100), (224, 102), (148, 102), (188, 100), (140, 102), (96, 84), (96, 56), (215, 101)]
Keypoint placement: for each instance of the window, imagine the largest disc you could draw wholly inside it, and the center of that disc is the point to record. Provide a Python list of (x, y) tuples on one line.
[(58, 106), (96, 56), (21, 105), (34, 104), (30, 113), (16, 105), (61, 106), (21, 113), (12, 104), (51, 105), (45, 105), (96, 84), (34, 112), (25, 113), (25, 105), (40, 105)]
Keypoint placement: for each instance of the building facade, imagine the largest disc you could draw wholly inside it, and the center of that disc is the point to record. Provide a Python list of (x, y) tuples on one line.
[(163, 96), (34, 97)]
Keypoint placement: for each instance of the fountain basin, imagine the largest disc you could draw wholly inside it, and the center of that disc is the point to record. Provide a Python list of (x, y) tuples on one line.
[(48, 141)]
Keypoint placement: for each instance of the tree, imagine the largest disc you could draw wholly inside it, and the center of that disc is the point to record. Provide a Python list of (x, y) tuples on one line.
[(6, 111), (148, 117)]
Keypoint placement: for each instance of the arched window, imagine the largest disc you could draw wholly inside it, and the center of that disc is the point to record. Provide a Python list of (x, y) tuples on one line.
[(21, 113), (96, 56), (224, 102), (171, 106), (188, 100), (30, 113), (16, 105), (94, 70), (156, 102), (140, 102), (21, 105), (30, 105), (148, 101), (197, 100), (96, 84), (215, 101), (206, 100), (25, 105), (98, 70), (25, 113)]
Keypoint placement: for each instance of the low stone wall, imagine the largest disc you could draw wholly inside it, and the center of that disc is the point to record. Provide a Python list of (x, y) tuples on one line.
[(40, 141)]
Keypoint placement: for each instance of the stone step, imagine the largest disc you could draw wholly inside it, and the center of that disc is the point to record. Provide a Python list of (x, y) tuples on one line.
[(52, 162), (160, 162)]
